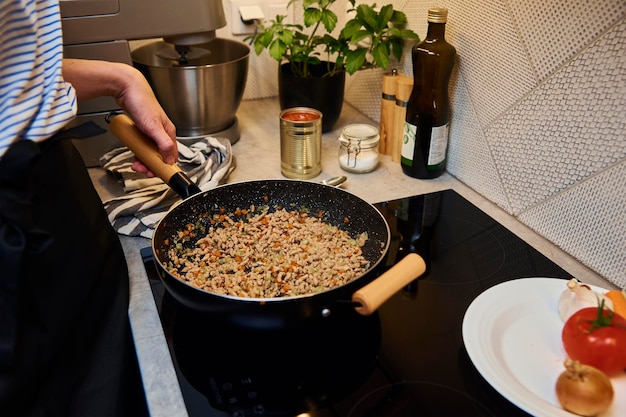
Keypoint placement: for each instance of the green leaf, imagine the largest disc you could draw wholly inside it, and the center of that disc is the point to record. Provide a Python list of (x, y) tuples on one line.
[(408, 34), (286, 37), (351, 27), (359, 36), (329, 20), (312, 16), (381, 55), (301, 37), (367, 16), (324, 3), (297, 57), (265, 38), (339, 62), (355, 60), (258, 46), (398, 18), (385, 15), (396, 45), (313, 60), (277, 49), (392, 31)]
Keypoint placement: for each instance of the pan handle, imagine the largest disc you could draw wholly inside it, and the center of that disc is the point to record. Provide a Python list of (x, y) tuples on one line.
[(374, 294), (146, 150)]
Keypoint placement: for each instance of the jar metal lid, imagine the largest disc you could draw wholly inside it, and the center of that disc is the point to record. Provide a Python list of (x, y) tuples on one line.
[(366, 135)]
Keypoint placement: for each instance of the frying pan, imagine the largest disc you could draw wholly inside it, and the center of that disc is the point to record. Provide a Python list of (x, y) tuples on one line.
[(363, 295)]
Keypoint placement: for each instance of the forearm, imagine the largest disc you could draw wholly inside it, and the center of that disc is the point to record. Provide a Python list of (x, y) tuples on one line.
[(92, 78)]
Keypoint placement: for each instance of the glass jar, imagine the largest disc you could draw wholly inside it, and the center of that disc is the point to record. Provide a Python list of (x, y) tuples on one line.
[(358, 148)]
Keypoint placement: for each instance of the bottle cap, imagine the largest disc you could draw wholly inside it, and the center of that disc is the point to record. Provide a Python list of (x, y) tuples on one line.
[(437, 15)]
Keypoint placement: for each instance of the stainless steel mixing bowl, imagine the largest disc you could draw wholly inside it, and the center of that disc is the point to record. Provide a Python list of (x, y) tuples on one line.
[(201, 94)]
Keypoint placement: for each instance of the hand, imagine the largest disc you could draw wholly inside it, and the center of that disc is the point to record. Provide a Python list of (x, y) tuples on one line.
[(138, 100), (131, 91)]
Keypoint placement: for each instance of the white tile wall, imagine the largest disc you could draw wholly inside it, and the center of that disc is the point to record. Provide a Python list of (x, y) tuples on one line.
[(539, 114), (589, 221), (567, 128)]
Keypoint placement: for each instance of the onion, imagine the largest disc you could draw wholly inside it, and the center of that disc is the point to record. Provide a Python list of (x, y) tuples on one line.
[(583, 389)]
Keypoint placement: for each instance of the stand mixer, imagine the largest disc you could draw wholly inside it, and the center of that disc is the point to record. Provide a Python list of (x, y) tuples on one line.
[(102, 29)]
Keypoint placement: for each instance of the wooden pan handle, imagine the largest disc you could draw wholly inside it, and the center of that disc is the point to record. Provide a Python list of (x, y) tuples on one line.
[(142, 146), (374, 294), (146, 150)]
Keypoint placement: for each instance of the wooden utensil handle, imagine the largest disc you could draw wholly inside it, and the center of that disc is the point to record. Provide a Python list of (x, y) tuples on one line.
[(142, 146), (374, 294)]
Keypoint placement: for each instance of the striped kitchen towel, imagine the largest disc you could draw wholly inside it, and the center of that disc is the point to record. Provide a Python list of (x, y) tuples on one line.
[(207, 162)]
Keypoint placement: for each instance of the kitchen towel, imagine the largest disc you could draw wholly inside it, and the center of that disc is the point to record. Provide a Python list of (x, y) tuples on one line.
[(207, 162)]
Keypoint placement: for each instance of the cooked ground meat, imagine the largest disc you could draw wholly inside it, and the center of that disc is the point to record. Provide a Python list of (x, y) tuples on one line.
[(270, 254)]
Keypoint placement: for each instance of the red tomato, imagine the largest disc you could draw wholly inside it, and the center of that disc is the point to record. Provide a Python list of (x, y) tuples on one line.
[(595, 339)]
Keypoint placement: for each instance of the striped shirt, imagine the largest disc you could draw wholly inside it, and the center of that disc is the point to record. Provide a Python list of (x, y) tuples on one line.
[(35, 101)]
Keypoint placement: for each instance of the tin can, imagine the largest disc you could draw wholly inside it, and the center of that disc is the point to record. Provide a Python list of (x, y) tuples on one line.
[(300, 142)]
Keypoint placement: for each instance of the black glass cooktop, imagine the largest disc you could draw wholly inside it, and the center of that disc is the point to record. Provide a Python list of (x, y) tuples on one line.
[(408, 359)]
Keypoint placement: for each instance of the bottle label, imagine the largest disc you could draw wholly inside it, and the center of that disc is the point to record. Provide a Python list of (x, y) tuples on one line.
[(408, 143), (438, 145), (437, 148)]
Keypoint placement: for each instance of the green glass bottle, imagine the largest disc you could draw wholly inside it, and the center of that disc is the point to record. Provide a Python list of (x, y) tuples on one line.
[(425, 139)]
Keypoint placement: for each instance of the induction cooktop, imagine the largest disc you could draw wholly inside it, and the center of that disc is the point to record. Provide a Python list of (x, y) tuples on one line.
[(408, 359)]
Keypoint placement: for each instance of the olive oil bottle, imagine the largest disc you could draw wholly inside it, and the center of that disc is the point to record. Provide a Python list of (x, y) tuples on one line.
[(425, 139)]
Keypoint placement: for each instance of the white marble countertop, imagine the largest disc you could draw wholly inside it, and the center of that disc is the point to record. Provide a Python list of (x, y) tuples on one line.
[(258, 157)]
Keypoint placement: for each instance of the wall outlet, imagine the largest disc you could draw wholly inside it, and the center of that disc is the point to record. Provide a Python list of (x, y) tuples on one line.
[(237, 25), (268, 8)]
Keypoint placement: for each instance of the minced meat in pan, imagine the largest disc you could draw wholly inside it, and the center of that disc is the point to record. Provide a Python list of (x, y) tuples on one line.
[(267, 254)]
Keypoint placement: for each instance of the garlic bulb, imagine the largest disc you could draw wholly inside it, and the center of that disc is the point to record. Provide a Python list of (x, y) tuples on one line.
[(578, 296)]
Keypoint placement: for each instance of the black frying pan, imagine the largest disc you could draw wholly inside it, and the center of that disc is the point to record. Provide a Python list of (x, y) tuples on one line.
[(337, 205)]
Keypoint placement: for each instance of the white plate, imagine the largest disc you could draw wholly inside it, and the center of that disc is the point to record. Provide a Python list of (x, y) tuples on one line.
[(512, 333)]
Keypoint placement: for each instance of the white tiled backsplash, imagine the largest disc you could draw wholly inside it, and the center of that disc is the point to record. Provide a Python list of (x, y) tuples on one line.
[(538, 113)]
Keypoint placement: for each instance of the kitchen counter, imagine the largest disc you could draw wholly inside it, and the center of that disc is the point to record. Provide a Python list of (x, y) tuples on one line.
[(258, 157)]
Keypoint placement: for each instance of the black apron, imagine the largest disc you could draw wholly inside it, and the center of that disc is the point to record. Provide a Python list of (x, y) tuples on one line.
[(65, 343)]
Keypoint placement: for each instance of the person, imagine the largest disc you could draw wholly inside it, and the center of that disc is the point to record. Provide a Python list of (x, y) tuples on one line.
[(65, 342)]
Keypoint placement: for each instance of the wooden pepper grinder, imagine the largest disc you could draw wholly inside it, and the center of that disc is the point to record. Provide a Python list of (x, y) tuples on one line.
[(387, 109), (404, 87)]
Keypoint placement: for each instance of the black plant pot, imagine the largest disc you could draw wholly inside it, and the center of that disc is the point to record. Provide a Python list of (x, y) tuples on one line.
[(321, 93)]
